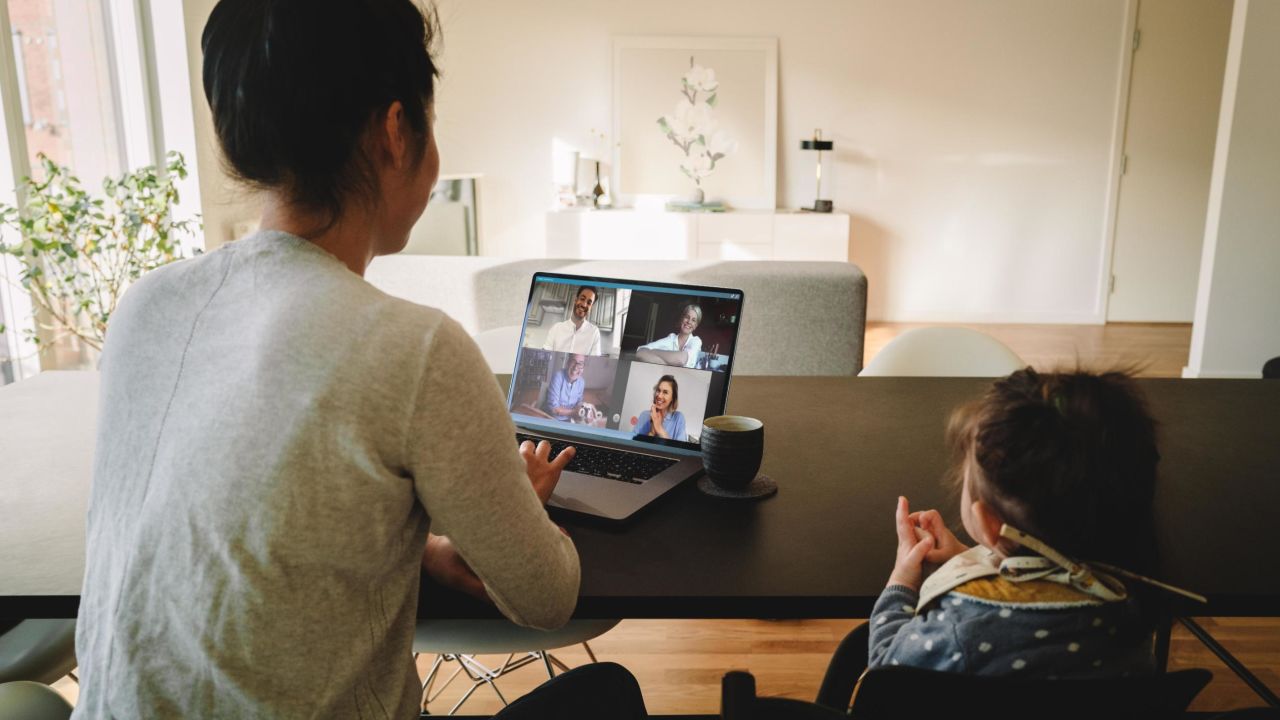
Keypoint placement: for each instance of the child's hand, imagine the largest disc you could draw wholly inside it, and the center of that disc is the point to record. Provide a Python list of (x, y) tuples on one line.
[(945, 544), (908, 569)]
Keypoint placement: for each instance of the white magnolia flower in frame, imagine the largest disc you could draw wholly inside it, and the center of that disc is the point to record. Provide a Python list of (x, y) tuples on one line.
[(692, 126), (701, 79), (698, 164), (688, 122), (719, 144)]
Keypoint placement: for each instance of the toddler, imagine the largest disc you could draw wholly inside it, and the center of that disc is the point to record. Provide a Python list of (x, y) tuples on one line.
[(1056, 475)]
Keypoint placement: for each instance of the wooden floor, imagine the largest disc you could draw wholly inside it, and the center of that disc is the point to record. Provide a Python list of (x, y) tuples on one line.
[(679, 663)]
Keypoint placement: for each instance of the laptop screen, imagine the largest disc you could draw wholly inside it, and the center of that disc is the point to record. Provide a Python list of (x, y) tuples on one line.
[(624, 360)]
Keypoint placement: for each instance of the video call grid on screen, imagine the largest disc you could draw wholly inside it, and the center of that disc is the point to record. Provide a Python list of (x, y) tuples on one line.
[(647, 361)]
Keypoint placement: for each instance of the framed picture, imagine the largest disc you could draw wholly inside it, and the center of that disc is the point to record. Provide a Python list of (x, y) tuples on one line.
[(696, 118)]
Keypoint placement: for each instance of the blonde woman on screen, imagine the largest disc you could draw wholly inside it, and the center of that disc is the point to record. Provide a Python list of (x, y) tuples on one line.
[(679, 348)]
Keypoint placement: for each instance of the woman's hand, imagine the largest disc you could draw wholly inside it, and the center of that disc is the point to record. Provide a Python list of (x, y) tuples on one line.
[(443, 563), (544, 472), (945, 544), (655, 422), (908, 569)]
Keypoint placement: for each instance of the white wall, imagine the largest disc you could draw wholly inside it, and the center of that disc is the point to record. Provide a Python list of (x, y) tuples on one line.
[(973, 138), (1237, 324)]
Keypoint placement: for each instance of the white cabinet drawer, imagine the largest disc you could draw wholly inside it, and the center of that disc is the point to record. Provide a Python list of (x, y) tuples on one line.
[(742, 227), (735, 251), (620, 235), (811, 236), (735, 235)]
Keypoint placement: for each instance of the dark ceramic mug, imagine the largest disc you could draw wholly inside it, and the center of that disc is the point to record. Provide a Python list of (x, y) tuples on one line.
[(732, 448)]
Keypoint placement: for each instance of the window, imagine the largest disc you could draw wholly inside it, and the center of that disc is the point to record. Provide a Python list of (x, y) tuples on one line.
[(85, 89)]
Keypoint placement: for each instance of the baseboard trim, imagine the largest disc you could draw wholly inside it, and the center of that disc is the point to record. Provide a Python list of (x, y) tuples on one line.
[(1191, 374), (995, 318)]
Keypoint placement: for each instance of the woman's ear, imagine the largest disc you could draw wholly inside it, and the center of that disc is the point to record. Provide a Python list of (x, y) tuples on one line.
[(394, 134)]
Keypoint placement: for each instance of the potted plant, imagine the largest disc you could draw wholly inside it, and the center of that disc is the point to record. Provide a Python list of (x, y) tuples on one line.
[(78, 253)]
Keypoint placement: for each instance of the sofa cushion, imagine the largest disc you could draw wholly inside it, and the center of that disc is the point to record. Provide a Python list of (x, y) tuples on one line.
[(798, 318)]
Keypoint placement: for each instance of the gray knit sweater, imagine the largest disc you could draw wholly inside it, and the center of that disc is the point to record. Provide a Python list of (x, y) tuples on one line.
[(276, 436)]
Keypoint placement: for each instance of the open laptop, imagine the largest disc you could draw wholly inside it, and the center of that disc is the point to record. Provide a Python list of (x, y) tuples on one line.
[(625, 371)]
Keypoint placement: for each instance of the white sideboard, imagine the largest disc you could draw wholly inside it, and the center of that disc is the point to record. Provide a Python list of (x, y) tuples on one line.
[(733, 235)]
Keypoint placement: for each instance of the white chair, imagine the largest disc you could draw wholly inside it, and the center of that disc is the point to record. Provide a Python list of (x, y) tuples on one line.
[(943, 352), (33, 654), (27, 700), (499, 347), (448, 639), (42, 651)]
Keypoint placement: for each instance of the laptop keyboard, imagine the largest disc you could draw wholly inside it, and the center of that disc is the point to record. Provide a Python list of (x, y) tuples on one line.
[(620, 465)]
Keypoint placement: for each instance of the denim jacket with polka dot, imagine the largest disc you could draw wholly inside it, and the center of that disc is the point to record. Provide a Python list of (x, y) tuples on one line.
[(990, 626)]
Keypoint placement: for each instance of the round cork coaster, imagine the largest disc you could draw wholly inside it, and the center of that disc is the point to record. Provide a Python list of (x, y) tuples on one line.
[(762, 487)]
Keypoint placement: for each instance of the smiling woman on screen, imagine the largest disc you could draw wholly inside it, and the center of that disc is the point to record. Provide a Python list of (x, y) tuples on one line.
[(679, 348), (663, 419)]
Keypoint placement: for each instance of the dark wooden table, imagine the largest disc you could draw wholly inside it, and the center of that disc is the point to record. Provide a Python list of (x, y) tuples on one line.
[(843, 449)]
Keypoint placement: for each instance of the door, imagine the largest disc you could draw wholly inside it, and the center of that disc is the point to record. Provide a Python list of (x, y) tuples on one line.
[(1174, 98)]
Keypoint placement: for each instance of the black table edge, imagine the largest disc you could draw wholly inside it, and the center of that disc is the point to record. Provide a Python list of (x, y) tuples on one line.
[(668, 608)]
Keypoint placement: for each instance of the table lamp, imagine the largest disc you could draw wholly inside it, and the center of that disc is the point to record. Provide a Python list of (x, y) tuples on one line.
[(817, 143)]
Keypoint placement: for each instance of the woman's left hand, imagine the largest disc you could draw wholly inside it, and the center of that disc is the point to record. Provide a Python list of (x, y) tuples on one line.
[(443, 563), (908, 570)]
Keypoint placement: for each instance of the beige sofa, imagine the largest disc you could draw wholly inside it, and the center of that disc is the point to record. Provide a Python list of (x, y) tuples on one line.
[(798, 318)]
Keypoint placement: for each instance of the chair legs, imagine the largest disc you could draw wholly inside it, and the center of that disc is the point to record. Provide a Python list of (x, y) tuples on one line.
[(480, 674)]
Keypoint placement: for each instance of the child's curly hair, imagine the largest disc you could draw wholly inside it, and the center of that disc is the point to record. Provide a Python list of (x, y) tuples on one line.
[(1067, 457)]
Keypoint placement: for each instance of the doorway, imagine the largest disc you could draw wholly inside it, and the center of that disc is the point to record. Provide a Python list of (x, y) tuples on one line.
[(1175, 91)]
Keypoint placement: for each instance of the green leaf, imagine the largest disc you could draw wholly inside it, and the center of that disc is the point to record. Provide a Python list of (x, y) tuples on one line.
[(711, 101)]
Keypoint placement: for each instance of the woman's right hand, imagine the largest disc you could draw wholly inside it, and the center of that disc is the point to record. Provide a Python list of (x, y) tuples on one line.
[(945, 544), (543, 471), (655, 421)]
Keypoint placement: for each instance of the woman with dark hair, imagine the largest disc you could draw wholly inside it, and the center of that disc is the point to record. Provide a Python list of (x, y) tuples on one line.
[(277, 436), (664, 420)]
